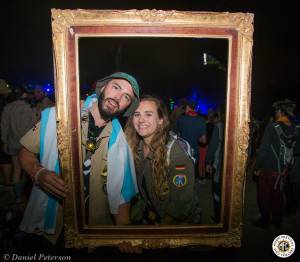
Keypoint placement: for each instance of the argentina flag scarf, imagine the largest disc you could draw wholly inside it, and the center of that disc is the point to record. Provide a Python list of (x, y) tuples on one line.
[(121, 178), (41, 211)]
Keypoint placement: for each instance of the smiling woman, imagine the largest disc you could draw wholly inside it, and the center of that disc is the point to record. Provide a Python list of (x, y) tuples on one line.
[(223, 74), (164, 170)]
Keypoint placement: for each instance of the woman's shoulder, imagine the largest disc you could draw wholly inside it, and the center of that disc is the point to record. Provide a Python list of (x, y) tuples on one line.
[(178, 154), (177, 146)]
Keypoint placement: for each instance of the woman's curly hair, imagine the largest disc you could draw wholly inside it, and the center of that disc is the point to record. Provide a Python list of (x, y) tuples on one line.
[(157, 147)]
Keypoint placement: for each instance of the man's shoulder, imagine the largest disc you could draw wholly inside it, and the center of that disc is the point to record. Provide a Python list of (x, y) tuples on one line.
[(284, 128)]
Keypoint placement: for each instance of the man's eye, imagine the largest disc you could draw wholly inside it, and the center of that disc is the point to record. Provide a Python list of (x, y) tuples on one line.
[(116, 87), (149, 114), (127, 97)]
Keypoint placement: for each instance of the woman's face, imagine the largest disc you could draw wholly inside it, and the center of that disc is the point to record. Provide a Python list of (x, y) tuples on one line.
[(146, 119)]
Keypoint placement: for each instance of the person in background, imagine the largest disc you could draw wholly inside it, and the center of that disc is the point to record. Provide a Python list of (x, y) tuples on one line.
[(5, 160), (40, 100), (295, 178), (203, 146), (16, 119), (273, 162), (178, 112), (214, 161), (192, 128)]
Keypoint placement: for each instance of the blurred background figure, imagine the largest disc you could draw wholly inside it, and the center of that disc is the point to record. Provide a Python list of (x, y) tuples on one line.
[(16, 119), (178, 112), (210, 117), (254, 129), (40, 101), (295, 179), (214, 160), (5, 163), (192, 128), (273, 163)]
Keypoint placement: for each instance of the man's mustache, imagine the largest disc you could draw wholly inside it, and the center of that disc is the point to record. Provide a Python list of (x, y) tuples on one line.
[(115, 101)]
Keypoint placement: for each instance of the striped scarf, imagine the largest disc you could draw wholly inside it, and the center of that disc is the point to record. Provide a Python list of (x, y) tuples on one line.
[(41, 211)]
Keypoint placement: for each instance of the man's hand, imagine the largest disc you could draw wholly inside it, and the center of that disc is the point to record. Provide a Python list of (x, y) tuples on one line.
[(52, 184), (127, 247), (46, 179)]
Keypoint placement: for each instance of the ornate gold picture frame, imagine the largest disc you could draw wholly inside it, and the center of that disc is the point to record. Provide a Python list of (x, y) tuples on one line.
[(70, 25)]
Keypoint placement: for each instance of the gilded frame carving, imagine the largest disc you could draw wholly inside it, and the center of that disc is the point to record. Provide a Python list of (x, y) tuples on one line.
[(68, 26)]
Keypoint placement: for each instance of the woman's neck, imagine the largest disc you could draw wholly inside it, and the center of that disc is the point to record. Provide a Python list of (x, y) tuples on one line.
[(146, 150), (147, 141)]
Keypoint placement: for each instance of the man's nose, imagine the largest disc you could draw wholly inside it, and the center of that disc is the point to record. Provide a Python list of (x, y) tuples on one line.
[(118, 97)]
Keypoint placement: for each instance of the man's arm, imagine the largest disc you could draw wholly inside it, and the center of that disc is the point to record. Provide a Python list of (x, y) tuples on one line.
[(46, 179)]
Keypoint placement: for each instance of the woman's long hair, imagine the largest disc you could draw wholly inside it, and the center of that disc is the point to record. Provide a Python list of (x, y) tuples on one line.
[(157, 147)]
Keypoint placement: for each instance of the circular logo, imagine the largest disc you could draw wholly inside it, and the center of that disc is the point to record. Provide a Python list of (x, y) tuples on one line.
[(180, 180), (283, 246)]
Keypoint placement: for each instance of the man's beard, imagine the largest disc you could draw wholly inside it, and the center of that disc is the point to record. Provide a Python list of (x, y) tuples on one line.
[(105, 113)]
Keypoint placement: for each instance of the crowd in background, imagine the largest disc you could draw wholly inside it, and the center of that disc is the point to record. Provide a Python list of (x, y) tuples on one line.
[(20, 110)]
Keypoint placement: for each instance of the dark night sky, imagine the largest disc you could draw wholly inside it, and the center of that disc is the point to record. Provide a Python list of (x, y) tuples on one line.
[(168, 67), (26, 45)]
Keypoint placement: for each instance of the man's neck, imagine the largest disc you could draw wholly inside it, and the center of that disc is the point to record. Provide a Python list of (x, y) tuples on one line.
[(99, 121), (284, 119)]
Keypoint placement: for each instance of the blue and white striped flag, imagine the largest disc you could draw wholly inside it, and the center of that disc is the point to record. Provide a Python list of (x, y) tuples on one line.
[(41, 211), (90, 100), (121, 178)]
